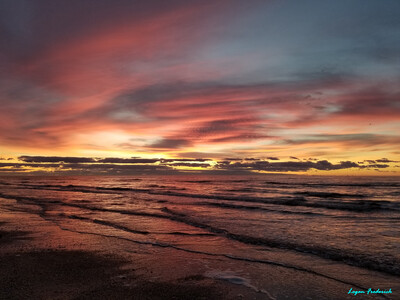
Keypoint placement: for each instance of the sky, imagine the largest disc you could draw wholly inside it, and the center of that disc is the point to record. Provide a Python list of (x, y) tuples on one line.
[(123, 86)]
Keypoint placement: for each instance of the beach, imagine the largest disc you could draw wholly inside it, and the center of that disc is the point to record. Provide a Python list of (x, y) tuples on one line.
[(56, 272), (126, 238)]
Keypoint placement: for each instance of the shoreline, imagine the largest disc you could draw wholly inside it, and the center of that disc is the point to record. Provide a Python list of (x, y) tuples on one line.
[(56, 273), (75, 274), (43, 258)]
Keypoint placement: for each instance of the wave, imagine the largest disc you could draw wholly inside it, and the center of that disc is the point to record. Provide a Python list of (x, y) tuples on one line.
[(242, 190), (330, 195), (376, 184), (130, 230), (102, 222), (302, 193), (166, 187), (282, 211), (353, 205), (213, 181), (199, 181), (246, 207), (385, 264)]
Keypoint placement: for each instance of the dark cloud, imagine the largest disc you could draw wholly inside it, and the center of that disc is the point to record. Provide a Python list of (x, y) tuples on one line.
[(201, 165), (170, 144), (52, 159), (85, 169), (114, 167), (287, 166), (377, 166), (14, 170), (381, 160), (370, 161), (128, 160), (385, 160), (82, 165), (165, 160), (92, 163), (30, 165), (15, 165)]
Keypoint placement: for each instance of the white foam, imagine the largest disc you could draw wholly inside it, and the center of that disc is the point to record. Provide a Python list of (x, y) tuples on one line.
[(233, 278)]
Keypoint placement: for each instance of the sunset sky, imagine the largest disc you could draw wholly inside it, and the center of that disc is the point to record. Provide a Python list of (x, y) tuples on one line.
[(121, 86)]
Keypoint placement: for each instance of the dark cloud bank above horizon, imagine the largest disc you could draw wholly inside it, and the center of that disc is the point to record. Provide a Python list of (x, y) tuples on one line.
[(125, 166)]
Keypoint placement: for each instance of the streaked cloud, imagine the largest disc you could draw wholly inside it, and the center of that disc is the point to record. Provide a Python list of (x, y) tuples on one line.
[(201, 79)]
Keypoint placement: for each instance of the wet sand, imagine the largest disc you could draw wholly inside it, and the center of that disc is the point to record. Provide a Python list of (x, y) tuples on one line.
[(75, 274), (64, 274)]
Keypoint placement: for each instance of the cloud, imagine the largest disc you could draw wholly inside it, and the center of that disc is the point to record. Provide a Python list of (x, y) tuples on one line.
[(385, 160), (9, 165), (370, 161), (289, 166), (103, 161), (170, 144), (85, 168), (198, 165), (166, 160), (52, 159), (88, 165), (376, 166), (114, 160), (349, 140)]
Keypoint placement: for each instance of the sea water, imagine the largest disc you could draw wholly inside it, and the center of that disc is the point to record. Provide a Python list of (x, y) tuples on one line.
[(340, 228)]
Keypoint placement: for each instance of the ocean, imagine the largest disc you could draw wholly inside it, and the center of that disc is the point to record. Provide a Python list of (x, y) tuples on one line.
[(343, 232)]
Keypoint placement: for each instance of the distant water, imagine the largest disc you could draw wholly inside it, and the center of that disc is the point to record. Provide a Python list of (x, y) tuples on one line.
[(349, 221)]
